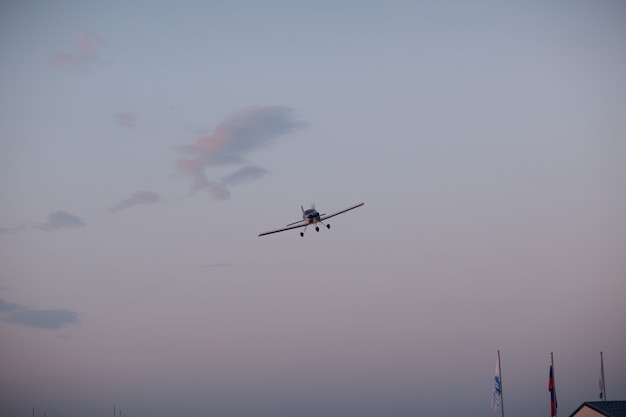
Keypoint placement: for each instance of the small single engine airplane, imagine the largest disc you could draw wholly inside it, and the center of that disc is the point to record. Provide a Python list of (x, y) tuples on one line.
[(310, 216)]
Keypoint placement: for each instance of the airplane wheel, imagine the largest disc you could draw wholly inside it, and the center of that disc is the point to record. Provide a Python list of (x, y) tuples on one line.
[(301, 234), (328, 226), (317, 229)]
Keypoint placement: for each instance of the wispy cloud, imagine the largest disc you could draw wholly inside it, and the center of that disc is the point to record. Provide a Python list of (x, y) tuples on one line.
[(61, 220), (83, 58), (138, 198), (57, 220), (243, 175), (11, 230), (40, 319), (125, 119), (216, 265), (231, 141), (217, 191)]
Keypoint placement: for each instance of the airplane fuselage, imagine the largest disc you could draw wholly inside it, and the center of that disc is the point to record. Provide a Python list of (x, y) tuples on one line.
[(310, 216)]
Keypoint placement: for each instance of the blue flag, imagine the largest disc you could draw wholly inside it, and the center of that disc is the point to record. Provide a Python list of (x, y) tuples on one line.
[(601, 380), (496, 398)]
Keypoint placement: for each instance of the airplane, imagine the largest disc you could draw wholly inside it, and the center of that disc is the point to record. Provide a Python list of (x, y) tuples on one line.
[(310, 216)]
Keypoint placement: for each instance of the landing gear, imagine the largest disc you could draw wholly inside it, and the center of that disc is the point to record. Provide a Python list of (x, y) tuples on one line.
[(317, 228)]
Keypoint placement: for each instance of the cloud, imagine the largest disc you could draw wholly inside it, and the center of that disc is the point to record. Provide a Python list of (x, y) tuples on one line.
[(231, 141), (140, 197), (40, 319), (216, 265), (57, 220), (83, 58), (125, 119), (217, 191), (61, 220), (245, 174), (195, 169), (10, 230)]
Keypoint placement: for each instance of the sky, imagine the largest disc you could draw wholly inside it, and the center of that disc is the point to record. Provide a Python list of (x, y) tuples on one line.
[(145, 145)]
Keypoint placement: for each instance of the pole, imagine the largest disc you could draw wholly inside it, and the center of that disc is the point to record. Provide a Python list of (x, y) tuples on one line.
[(501, 385)]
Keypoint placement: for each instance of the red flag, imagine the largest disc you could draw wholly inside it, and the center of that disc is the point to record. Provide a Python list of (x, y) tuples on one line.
[(552, 390)]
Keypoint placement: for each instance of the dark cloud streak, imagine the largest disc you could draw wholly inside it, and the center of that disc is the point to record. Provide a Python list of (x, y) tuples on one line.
[(10, 230), (57, 220), (61, 220), (39, 319), (138, 198)]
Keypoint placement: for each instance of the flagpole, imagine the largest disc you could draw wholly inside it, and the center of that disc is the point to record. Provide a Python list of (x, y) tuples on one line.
[(501, 386), (603, 387)]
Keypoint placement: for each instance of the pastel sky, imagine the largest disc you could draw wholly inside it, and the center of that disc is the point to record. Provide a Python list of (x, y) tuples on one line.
[(144, 145)]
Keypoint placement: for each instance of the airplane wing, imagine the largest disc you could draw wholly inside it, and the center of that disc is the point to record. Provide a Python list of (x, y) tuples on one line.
[(291, 224), (340, 212), (302, 224)]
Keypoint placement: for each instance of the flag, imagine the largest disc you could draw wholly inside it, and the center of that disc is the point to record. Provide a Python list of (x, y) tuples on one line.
[(497, 387), (552, 389), (601, 388), (601, 380)]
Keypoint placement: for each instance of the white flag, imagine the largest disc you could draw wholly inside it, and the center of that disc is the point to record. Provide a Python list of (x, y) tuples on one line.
[(497, 387)]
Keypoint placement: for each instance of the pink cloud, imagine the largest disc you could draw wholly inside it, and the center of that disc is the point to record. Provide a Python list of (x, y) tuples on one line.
[(138, 198), (234, 138), (245, 131), (192, 166), (217, 191), (125, 119), (84, 57)]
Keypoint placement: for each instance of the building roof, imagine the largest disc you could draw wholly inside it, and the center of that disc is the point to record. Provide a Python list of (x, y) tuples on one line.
[(606, 408)]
